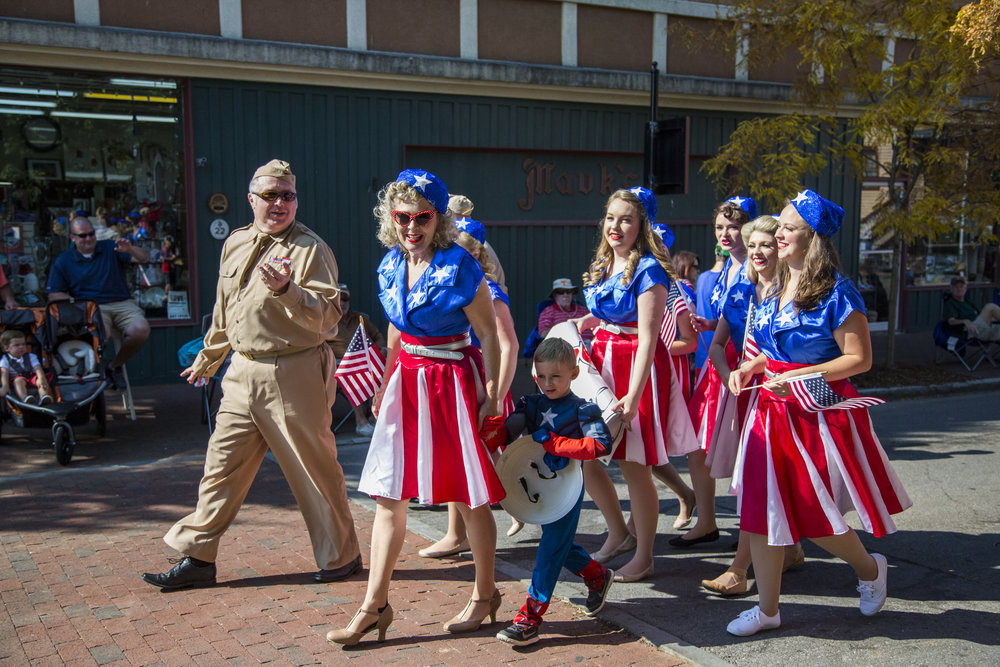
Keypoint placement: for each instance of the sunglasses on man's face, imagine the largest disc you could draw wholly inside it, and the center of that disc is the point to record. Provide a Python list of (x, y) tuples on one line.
[(85, 235), (403, 219), (273, 196)]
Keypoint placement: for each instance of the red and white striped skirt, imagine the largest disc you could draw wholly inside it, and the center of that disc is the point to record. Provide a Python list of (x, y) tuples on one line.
[(709, 405), (803, 471), (662, 427), (426, 443), (682, 371)]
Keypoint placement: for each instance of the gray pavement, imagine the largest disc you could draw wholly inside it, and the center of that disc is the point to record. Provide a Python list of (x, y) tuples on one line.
[(944, 577), (944, 563)]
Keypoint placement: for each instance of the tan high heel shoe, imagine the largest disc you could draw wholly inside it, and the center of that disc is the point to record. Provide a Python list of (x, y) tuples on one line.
[(793, 557), (731, 582), (456, 624), (347, 637)]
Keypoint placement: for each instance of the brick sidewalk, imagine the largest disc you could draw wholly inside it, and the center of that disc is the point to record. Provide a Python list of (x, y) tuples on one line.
[(75, 541)]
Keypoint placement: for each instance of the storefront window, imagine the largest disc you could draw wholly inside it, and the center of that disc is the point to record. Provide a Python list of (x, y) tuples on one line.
[(98, 145), (936, 263)]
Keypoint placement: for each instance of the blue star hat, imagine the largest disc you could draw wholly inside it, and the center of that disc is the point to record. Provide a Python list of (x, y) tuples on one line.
[(822, 214), (473, 228), (745, 203), (648, 200), (427, 184), (665, 233)]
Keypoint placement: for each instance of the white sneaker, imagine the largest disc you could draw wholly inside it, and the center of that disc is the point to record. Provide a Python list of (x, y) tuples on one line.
[(365, 429), (874, 593), (753, 621)]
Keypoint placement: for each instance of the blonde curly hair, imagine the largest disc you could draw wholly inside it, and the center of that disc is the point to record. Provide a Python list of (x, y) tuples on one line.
[(765, 223), (478, 250), (400, 191), (646, 242)]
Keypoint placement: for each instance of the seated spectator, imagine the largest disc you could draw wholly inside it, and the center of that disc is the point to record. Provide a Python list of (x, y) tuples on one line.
[(94, 270), (963, 319), (564, 308), (345, 330)]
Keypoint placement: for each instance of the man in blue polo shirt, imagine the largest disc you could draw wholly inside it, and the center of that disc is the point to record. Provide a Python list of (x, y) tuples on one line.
[(94, 270)]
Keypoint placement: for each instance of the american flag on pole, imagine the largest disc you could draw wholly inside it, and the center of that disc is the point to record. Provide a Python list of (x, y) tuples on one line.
[(750, 347), (360, 371), (677, 303), (814, 394)]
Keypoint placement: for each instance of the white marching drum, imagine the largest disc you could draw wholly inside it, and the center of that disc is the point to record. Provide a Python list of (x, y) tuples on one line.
[(590, 386), (535, 493)]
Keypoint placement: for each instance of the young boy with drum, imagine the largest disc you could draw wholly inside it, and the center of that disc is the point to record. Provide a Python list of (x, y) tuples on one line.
[(567, 427)]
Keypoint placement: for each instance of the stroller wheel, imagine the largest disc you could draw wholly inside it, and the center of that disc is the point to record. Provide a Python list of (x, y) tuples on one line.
[(63, 444)]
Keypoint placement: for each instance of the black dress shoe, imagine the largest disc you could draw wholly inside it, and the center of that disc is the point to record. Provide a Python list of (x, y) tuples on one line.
[(183, 575), (338, 573), (681, 543)]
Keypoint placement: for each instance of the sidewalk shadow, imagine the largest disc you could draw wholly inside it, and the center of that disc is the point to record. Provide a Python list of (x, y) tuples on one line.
[(554, 634)]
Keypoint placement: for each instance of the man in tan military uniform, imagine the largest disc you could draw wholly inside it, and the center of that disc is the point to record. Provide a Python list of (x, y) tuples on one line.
[(276, 305)]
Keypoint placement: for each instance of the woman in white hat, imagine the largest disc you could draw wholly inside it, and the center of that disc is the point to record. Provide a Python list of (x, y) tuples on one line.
[(564, 306)]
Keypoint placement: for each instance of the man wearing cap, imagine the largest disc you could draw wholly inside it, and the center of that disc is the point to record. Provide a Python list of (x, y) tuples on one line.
[(94, 270), (964, 320), (277, 304), (564, 308), (348, 324)]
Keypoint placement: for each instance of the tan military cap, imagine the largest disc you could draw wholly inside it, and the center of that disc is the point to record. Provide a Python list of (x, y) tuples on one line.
[(278, 169)]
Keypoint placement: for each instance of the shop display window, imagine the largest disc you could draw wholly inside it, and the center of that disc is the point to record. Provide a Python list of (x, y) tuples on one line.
[(105, 146), (934, 264)]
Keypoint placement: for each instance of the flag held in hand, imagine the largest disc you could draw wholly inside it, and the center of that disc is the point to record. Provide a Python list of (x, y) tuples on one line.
[(360, 371), (815, 394)]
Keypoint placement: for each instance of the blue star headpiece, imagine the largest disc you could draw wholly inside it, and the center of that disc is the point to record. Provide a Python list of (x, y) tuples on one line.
[(473, 228), (745, 203), (427, 184), (665, 233), (648, 200), (822, 214)]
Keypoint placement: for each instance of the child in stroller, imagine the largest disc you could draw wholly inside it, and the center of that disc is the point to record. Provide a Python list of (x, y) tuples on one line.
[(67, 338), (20, 369)]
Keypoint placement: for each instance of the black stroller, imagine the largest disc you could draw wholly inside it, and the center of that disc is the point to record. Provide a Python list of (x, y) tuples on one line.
[(68, 339)]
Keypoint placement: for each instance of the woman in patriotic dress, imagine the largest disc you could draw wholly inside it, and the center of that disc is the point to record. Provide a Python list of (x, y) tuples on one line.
[(626, 291), (435, 394), (472, 237), (740, 306), (710, 406), (803, 469), (678, 335)]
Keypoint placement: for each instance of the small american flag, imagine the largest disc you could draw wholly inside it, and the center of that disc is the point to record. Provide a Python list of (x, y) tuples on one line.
[(677, 304), (814, 394), (750, 347), (360, 371)]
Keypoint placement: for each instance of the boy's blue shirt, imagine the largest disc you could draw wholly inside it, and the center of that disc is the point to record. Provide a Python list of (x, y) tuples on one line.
[(569, 416)]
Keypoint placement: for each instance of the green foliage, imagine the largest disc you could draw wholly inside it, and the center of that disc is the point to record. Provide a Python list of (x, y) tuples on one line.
[(925, 105)]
